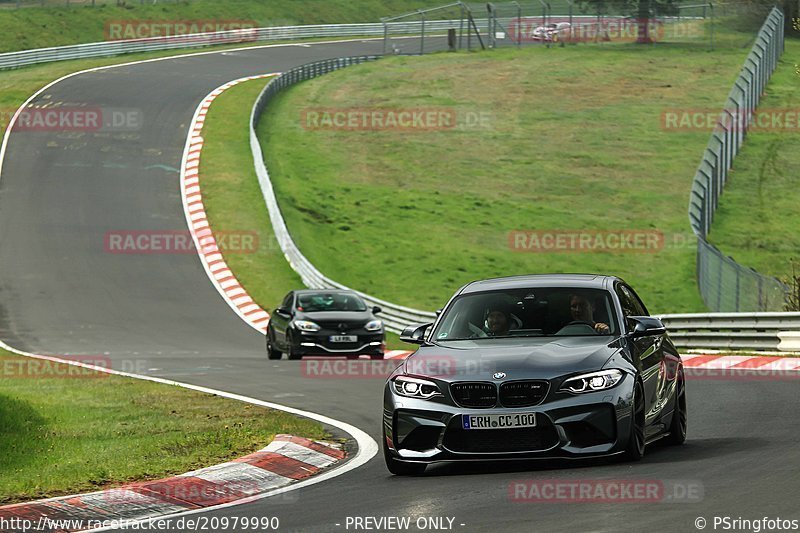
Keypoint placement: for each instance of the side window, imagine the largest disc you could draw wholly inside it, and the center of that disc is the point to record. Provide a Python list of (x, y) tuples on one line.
[(637, 302), (625, 302), (631, 306), (287, 302)]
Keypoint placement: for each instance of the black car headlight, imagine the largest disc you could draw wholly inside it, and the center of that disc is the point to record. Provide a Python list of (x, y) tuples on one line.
[(306, 325), (374, 325), (594, 381), (415, 387)]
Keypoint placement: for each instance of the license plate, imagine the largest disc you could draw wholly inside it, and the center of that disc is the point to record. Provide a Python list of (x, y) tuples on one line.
[(344, 338), (516, 420)]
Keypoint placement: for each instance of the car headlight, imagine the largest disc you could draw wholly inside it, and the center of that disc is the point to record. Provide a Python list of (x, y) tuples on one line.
[(415, 387), (306, 325), (373, 325), (594, 381)]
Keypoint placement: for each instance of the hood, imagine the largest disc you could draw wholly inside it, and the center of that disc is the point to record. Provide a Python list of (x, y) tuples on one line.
[(518, 358)]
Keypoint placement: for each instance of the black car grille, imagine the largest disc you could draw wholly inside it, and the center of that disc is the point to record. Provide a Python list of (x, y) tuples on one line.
[(523, 393), (474, 394), (340, 326), (542, 437)]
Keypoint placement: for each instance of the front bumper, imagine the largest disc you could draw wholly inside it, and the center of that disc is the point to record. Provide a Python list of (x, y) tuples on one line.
[(586, 425), (319, 343)]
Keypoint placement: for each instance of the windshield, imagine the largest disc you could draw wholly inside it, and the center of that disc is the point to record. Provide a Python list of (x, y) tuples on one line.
[(329, 301), (534, 312)]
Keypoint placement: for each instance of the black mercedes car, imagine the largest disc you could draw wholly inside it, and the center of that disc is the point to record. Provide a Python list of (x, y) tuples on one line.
[(324, 322), (534, 366)]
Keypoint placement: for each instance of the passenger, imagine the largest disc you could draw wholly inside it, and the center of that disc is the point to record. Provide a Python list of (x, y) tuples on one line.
[(582, 310)]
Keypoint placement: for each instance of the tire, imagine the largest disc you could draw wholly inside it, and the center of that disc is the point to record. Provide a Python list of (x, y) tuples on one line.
[(399, 468), (272, 353), (290, 353), (634, 451), (677, 427)]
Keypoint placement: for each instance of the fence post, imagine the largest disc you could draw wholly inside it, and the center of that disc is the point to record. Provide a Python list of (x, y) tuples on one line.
[(461, 27), (711, 6), (422, 35)]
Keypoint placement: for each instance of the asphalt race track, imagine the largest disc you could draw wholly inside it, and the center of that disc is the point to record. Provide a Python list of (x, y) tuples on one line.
[(158, 314)]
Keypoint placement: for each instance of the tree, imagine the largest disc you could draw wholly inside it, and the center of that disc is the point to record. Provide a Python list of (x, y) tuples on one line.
[(644, 11)]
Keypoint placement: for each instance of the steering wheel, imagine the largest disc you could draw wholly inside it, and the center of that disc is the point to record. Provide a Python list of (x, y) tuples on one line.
[(476, 332), (570, 328)]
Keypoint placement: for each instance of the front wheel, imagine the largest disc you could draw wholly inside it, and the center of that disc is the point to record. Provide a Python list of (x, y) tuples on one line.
[(272, 352), (399, 468), (291, 352), (635, 449), (677, 427)]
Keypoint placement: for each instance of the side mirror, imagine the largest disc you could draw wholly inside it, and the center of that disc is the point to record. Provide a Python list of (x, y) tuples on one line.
[(415, 333), (646, 326), (376, 310), (283, 311)]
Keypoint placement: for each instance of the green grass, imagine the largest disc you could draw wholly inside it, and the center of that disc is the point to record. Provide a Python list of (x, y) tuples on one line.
[(757, 219), (574, 142), (63, 435), (234, 203), (57, 26), (233, 199)]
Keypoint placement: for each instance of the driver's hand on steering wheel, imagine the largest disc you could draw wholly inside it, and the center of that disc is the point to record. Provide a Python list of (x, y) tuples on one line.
[(600, 327)]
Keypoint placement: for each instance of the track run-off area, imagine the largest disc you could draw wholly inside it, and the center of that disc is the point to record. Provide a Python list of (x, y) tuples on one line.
[(160, 316)]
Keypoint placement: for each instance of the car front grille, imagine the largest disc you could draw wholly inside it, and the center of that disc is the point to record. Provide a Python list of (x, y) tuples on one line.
[(523, 393), (474, 394), (340, 326), (459, 440)]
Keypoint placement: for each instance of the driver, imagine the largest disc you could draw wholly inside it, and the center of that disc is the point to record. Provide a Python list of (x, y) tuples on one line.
[(582, 310), (498, 321)]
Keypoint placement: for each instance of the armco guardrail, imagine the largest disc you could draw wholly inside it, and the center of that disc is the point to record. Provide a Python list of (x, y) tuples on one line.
[(198, 40), (395, 317), (724, 284), (279, 33), (736, 331)]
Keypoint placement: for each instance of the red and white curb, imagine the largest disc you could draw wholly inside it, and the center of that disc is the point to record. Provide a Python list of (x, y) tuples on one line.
[(218, 271), (741, 362), (286, 460)]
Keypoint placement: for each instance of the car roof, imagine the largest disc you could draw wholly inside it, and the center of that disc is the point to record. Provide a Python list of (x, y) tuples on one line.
[(325, 291), (583, 281)]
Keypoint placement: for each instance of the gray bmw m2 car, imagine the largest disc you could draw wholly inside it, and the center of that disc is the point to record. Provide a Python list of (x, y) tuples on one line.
[(534, 366)]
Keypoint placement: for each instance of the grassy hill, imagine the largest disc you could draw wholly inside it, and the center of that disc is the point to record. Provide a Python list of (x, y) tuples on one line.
[(568, 141), (35, 27)]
